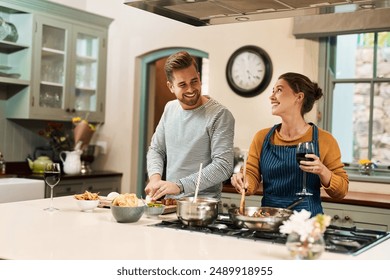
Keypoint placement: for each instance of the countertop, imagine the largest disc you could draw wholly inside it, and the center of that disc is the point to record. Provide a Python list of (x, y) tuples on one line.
[(22, 170), (28, 232), (93, 174), (352, 198)]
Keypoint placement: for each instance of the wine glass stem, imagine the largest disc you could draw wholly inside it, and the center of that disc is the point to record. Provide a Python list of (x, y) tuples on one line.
[(304, 182), (51, 197)]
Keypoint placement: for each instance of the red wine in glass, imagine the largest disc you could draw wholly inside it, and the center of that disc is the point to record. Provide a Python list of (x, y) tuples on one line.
[(303, 149)]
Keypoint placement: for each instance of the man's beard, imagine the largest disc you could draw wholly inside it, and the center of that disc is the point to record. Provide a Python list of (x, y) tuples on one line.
[(190, 101)]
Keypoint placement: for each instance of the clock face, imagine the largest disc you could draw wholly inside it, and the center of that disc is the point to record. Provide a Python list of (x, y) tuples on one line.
[(249, 71)]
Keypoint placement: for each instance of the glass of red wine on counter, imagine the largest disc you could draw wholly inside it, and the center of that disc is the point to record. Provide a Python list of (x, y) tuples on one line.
[(303, 149), (52, 176)]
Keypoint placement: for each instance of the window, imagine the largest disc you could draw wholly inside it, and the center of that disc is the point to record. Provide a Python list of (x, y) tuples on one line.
[(358, 95)]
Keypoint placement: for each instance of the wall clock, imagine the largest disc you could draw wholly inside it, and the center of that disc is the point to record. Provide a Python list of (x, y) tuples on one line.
[(249, 71)]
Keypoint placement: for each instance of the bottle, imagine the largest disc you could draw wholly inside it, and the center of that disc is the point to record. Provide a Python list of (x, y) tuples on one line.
[(2, 164)]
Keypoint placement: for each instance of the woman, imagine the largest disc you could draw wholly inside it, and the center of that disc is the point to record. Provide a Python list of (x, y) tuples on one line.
[(272, 160)]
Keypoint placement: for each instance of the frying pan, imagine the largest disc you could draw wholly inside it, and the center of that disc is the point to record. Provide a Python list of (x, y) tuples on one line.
[(271, 223)]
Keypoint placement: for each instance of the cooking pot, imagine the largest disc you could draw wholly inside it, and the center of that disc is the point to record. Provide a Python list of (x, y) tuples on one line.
[(200, 213), (271, 221)]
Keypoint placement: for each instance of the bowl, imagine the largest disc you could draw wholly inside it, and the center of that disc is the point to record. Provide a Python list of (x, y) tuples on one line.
[(154, 211), (87, 205), (124, 214)]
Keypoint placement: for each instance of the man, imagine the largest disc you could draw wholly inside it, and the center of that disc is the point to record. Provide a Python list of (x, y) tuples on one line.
[(193, 130)]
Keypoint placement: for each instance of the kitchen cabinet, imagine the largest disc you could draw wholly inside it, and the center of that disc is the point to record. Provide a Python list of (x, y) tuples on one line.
[(67, 59), (15, 51), (103, 186), (232, 200), (360, 216)]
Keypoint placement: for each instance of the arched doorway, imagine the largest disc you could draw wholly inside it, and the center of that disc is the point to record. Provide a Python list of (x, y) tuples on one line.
[(147, 87)]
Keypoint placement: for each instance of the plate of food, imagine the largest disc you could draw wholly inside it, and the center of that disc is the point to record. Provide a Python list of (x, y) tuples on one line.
[(105, 201), (170, 205)]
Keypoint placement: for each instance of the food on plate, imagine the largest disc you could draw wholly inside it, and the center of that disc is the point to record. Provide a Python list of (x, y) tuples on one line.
[(126, 200), (168, 201), (87, 196)]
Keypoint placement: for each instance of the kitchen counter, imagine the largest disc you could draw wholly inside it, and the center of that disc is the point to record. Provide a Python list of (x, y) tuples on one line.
[(93, 174), (353, 198), (28, 232), (22, 170)]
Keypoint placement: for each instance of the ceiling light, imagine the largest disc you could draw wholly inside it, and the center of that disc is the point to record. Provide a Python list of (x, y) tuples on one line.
[(242, 18), (367, 6)]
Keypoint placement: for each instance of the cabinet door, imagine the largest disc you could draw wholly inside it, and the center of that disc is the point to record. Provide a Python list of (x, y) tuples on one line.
[(65, 188), (87, 75), (358, 216), (53, 50), (69, 71), (103, 186), (231, 200)]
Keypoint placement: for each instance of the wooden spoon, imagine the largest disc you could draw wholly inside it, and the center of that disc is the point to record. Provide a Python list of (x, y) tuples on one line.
[(242, 202)]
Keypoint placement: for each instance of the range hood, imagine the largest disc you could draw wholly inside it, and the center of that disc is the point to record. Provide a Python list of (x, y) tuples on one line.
[(213, 12)]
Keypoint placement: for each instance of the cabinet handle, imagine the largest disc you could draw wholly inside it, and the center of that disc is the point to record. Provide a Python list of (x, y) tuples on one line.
[(347, 218), (336, 217), (90, 188), (233, 205), (225, 205), (70, 110)]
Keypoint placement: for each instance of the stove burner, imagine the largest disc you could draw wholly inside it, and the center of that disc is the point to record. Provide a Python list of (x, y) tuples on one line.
[(341, 240)]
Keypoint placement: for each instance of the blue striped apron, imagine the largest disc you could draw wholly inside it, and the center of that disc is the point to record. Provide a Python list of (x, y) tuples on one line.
[(282, 177)]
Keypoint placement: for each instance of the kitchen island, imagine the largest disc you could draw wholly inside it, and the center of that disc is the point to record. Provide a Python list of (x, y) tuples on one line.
[(27, 232)]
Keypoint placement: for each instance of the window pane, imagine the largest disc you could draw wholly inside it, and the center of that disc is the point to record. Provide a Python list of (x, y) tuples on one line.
[(354, 56), (381, 124), (383, 64), (350, 118)]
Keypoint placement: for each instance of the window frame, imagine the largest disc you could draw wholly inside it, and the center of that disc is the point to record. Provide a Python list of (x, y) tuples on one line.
[(327, 80)]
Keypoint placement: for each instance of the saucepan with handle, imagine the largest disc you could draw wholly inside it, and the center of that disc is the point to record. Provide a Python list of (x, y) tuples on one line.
[(262, 218), (202, 212)]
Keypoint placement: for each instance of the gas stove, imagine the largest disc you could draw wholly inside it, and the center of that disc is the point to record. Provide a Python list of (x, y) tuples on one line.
[(343, 240)]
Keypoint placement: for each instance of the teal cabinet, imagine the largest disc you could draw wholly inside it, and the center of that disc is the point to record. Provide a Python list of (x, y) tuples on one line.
[(65, 57)]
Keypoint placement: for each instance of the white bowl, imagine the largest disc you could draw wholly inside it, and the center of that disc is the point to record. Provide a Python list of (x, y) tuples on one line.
[(87, 205)]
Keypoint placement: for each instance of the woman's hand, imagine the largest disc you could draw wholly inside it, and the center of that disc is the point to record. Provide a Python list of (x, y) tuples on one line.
[(316, 167), (312, 165), (237, 181)]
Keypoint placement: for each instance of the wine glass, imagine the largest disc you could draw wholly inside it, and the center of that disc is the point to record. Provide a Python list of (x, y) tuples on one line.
[(52, 176), (304, 148)]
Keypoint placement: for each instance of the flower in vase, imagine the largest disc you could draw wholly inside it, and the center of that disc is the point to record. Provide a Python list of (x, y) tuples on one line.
[(306, 227), (59, 138), (83, 132), (305, 235), (366, 166)]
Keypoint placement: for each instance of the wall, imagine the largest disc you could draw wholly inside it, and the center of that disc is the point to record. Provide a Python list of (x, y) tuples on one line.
[(134, 33)]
